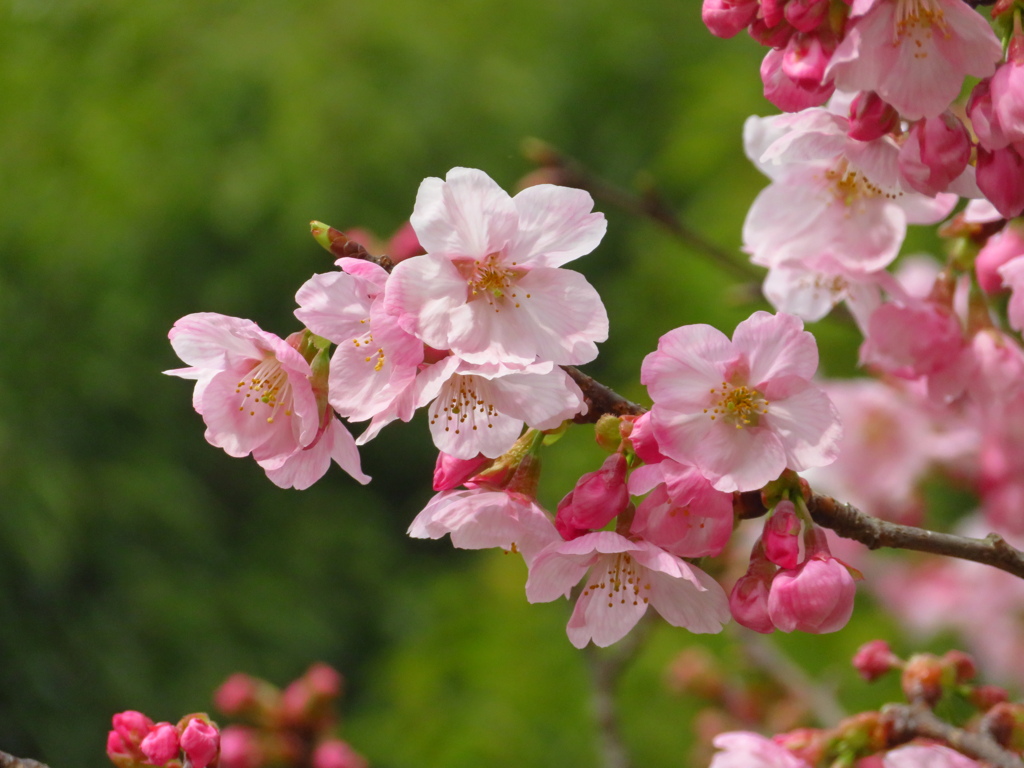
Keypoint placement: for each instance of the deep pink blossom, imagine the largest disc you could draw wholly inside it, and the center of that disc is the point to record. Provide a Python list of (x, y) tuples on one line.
[(744, 410), (786, 93), (871, 117), (490, 288), (914, 53), (726, 18), (748, 601), (1000, 176), (596, 500), (934, 154), (161, 744), (625, 578), (200, 741), (782, 537)]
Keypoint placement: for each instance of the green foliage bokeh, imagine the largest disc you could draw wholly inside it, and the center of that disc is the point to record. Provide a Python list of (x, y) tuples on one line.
[(162, 158)]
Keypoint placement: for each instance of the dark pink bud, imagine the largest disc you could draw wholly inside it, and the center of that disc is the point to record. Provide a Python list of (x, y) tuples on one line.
[(120, 754), (936, 151), (597, 498), (132, 727), (450, 472), (240, 748), (773, 12), (200, 741), (772, 37), (805, 59), (1003, 246), (335, 753), (874, 659), (643, 441), (1001, 178), (870, 117), (748, 601), (236, 694), (785, 93), (1008, 91), (161, 745), (324, 681), (781, 537), (404, 244), (726, 18), (817, 597), (807, 15), (983, 117)]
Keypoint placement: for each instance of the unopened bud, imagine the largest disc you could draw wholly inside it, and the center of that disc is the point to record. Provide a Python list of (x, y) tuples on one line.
[(874, 659), (781, 537), (240, 747), (608, 432), (984, 697), (335, 753), (923, 678), (161, 745), (962, 664), (1004, 723), (200, 741), (871, 117)]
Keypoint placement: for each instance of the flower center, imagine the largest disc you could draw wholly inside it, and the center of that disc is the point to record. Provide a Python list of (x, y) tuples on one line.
[(621, 581), (365, 342), (849, 185), (267, 385), (460, 402), (491, 281), (740, 406), (915, 19)]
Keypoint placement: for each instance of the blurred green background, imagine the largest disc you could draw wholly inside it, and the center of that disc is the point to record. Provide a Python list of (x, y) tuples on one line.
[(162, 158)]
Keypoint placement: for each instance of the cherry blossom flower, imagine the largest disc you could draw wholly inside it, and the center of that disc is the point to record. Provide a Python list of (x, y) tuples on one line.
[(744, 410), (927, 756), (254, 392), (478, 519), (742, 749), (914, 53), (625, 577), (375, 360), (481, 409), (830, 195), (490, 288)]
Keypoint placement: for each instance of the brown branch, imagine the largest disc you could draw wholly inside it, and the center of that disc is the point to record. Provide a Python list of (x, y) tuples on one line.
[(10, 761), (600, 399), (909, 721), (649, 205), (850, 523)]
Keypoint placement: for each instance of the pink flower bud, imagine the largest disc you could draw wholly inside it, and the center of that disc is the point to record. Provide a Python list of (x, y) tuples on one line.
[(870, 117), (770, 36), (1007, 88), (874, 659), (936, 152), (785, 93), (240, 748), (981, 111), (817, 597), (450, 472), (236, 694), (200, 741), (335, 753), (1001, 178), (597, 498), (161, 745), (806, 15), (324, 681), (643, 441), (805, 60), (404, 244), (1002, 247), (726, 18), (120, 754), (132, 727), (773, 12), (748, 601), (781, 537)]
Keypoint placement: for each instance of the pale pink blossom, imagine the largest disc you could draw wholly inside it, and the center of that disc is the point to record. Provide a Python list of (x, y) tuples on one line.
[(1012, 273), (927, 756), (375, 359), (625, 578), (490, 288), (744, 410), (254, 391), (1003, 246), (1007, 88), (481, 409), (914, 53), (478, 519), (830, 194), (810, 288), (742, 749)]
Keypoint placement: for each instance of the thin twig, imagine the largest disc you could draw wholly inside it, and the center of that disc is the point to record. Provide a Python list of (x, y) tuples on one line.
[(767, 656), (909, 721), (10, 761), (650, 205)]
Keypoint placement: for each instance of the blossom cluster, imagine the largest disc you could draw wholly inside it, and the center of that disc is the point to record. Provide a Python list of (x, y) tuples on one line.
[(136, 741)]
